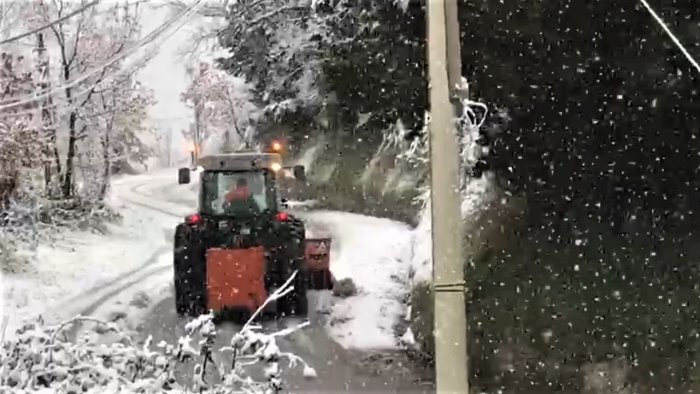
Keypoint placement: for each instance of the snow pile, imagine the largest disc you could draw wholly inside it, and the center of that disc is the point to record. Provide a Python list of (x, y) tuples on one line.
[(39, 359)]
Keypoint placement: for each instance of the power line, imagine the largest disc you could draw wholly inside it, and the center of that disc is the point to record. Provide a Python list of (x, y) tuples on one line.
[(75, 105), (46, 26), (138, 45), (670, 33)]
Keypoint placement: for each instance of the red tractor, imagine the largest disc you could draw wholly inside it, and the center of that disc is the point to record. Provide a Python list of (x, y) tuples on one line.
[(242, 245)]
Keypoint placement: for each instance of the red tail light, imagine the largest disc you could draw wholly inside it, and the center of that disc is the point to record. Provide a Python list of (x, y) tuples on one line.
[(193, 219), (282, 217)]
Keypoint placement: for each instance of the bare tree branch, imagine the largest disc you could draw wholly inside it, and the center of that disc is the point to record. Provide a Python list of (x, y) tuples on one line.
[(77, 39)]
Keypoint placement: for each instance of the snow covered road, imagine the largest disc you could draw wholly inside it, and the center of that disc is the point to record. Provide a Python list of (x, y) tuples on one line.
[(343, 334)]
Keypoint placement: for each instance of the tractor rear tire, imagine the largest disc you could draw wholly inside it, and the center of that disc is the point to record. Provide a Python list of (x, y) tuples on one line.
[(295, 303), (189, 273), (299, 298)]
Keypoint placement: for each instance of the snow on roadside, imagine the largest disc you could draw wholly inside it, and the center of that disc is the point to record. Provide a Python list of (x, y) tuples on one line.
[(375, 253), (68, 276)]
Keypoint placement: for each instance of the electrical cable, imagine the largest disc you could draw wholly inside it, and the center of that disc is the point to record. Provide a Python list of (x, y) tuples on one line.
[(671, 35), (138, 45)]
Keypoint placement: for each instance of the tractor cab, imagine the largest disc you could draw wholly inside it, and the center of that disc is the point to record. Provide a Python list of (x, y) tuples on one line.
[(241, 189)]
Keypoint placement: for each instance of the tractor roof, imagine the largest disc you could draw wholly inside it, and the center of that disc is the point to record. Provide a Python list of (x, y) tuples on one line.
[(247, 161)]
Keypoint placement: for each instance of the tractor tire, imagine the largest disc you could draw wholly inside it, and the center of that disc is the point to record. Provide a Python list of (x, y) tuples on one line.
[(299, 302), (296, 302), (189, 273)]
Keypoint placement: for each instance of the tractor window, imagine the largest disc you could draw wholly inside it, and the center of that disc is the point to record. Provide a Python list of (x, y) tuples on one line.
[(236, 193)]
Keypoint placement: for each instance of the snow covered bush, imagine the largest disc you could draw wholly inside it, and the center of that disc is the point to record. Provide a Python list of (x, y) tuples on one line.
[(42, 358)]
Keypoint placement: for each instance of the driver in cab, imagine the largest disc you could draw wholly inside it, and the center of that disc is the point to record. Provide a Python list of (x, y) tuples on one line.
[(239, 199)]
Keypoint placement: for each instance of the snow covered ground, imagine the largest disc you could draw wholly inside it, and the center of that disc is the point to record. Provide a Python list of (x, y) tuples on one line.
[(375, 254), (121, 274), (70, 276)]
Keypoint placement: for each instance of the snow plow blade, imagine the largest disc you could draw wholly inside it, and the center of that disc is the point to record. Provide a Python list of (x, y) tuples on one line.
[(235, 279), (317, 263)]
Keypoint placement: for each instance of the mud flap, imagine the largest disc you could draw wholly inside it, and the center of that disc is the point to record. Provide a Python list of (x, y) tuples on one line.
[(317, 258), (236, 279)]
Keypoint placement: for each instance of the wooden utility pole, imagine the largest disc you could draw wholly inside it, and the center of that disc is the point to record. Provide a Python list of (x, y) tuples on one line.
[(448, 256)]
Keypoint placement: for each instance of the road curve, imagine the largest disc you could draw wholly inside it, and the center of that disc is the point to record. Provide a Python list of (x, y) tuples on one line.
[(338, 369)]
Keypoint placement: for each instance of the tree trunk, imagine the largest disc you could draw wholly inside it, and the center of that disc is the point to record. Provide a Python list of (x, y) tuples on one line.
[(51, 150), (227, 141), (68, 178), (107, 166), (8, 185)]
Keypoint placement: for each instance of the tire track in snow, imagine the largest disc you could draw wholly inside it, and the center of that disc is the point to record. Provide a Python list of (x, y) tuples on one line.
[(124, 286), (132, 278), (152, 259), (136, 190)]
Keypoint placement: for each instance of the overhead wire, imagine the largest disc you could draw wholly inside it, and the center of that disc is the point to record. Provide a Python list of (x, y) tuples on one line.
[(55, 123), (121, 55), (671, 35)]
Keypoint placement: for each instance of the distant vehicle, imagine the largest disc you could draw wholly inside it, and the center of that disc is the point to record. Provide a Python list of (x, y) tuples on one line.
[(241, 245)]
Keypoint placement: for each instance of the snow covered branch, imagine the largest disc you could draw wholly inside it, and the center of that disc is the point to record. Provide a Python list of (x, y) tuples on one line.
[(40, 357), (224, 104), (82, 44)]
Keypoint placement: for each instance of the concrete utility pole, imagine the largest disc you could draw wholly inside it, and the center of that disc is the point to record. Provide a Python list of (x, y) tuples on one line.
[(448, 257)]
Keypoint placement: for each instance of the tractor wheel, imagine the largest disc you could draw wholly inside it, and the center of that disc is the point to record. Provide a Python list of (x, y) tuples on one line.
[(189, 278), (299, 302), (291, 258), (181, 306)]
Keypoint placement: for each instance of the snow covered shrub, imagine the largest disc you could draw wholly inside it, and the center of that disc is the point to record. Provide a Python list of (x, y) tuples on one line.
[(41, 357)]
